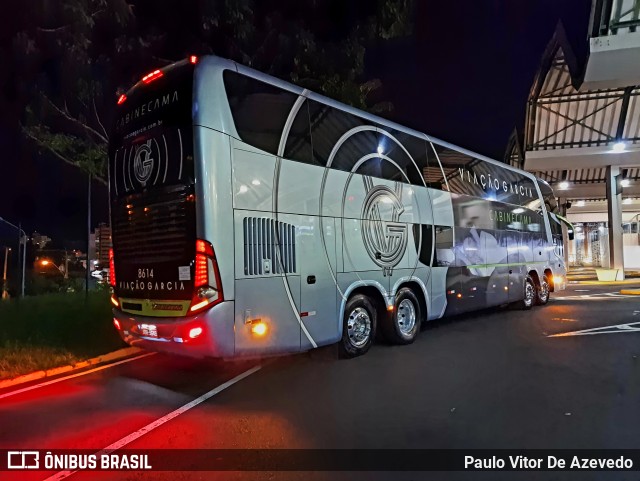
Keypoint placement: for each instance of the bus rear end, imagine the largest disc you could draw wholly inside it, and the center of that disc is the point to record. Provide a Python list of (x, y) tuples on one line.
[(167, 292)]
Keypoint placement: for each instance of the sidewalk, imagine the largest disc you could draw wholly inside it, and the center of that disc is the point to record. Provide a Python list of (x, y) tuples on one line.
[(575, 274)]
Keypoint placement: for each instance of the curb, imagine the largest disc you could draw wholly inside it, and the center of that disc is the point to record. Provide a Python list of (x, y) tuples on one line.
[(606, 283), (34, 376), (630, 292)]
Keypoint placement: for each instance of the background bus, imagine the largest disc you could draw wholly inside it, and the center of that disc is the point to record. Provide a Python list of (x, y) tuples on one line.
[(251, 216)]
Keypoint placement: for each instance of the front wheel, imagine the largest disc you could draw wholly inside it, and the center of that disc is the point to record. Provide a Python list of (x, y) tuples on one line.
[(542, 295), (403, 325), (358, 327)]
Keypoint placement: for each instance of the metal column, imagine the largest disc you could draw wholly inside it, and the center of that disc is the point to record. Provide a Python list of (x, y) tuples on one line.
[(614, 217)]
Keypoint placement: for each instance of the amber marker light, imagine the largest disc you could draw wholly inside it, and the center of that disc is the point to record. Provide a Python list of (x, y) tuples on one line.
[(259, 328), (114, 301)]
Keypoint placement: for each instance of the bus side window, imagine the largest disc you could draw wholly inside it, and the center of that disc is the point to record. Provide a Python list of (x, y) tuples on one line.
[(327, 126), (298, 146), (259, 110), (443, 255)]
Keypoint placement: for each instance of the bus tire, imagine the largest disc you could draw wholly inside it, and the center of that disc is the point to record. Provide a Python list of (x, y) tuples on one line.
[(403, 325), (542, 293), (358, 327), (529, 294)]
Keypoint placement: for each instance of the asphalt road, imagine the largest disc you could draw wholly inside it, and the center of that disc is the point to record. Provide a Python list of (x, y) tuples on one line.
[(491, 380)]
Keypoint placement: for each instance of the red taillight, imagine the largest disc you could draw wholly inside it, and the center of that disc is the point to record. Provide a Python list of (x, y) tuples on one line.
[(206, 280), (150, 77), (202, 271), (121, 99), (193, 59), (112, 269), (116, 323), (195, 332), (203, 247)]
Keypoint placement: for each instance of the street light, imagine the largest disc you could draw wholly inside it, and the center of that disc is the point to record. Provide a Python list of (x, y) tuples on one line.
[(63, 271), (22, 237)]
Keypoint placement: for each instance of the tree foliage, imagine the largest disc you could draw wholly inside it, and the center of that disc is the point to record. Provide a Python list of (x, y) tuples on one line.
[(78, 53)]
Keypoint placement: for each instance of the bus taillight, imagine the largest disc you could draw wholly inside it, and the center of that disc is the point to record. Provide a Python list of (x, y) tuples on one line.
[(112, 269), (150, 77), (207, 284)]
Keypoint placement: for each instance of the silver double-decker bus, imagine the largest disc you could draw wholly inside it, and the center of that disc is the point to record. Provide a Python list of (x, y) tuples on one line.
[(251, 216)]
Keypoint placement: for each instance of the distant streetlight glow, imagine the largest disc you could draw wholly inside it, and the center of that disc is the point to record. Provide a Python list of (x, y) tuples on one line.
[(564, 185), (625, 182), (580, 203), (619, 147), (627, 201)]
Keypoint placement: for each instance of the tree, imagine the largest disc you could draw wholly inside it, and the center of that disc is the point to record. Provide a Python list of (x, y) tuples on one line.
[(72, 73), (78, 53)]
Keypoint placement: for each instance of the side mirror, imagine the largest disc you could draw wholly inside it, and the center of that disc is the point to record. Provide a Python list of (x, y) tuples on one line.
[(570, 234)]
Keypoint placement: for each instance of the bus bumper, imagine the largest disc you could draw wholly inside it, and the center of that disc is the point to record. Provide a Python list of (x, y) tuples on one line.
[(207, 334)]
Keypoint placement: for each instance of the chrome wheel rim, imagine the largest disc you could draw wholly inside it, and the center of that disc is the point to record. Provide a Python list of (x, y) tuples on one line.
[(528, 293), (544, 291), (359, 327), (406, 317)]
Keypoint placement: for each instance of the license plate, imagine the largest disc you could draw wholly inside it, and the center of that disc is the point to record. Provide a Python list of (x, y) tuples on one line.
[(149, 330)]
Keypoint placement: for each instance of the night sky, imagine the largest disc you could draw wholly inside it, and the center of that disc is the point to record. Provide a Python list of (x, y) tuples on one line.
[(463, 76)]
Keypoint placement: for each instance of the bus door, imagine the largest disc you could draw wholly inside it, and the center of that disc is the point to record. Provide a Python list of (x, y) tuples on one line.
[(316, 254)]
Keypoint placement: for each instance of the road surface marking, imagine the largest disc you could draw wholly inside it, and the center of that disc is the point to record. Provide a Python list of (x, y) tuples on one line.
[(615, 329), (160, 421), (583, 290), (60, 379), (594, 296)]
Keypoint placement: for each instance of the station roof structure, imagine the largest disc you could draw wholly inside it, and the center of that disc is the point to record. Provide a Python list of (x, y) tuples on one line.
[(582, 118)]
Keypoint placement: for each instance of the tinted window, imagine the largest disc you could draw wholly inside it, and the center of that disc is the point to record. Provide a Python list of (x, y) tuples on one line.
[(259, 110), (549, 198), (468, 175), (298, 146), (328, 125)]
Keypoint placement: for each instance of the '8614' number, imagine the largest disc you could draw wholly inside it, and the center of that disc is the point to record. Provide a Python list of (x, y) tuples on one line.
[(145, 273)]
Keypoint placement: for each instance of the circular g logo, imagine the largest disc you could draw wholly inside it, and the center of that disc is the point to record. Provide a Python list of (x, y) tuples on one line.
[(384, 239), (143, 162)]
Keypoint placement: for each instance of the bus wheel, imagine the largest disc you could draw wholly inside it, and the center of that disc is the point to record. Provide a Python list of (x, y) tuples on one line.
[(542, 294), (403, 325), (529, 294), (358, 326)]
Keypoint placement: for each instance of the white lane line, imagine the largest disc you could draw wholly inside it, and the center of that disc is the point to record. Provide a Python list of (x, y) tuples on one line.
[(160, 421), (84, 373), (615, 329), (583, 290)]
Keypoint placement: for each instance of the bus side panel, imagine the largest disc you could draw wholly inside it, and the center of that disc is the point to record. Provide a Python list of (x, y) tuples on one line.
[(253, 175), (442, 209), (317, 268), (299, 192), (265, 299), (214, 201)]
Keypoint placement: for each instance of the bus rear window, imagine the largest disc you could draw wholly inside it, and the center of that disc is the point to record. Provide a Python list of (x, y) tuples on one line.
[(151, 145)]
